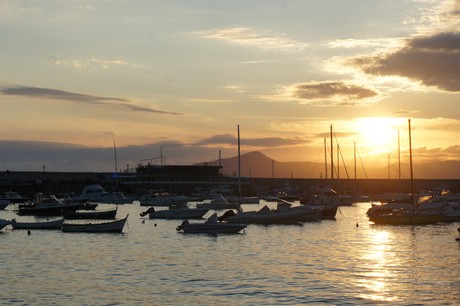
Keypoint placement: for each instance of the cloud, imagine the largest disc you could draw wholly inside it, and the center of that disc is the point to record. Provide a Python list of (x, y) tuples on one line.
[(249, 37), (92, 63), (404, 113), (330, 93), (56, 94), (433, 60), (267, 142)]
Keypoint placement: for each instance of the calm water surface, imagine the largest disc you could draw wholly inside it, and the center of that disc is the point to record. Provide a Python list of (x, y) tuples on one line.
[(328, 262)]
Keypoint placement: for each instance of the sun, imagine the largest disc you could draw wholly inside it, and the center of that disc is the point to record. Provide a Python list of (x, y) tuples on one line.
[(378, 134)]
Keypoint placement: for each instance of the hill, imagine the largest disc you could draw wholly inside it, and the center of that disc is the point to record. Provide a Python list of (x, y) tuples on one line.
[(258, 165)]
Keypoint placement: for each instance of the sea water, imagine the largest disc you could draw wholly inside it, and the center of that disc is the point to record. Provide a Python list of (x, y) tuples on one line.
[(346, 261)]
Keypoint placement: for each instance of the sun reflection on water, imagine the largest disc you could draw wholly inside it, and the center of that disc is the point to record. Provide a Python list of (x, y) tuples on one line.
[(376, 271)]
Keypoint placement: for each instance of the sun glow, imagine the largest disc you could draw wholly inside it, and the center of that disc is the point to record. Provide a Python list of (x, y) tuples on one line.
[(378, 134)]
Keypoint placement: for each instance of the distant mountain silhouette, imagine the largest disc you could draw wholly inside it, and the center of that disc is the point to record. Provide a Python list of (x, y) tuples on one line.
[(258, 165)]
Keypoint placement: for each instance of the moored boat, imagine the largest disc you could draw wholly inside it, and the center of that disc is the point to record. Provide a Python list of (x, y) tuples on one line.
[(183, 212), (163, 199), (91, 193), (210, 226), (406, 215), (283, 214), (328, 211), (47, 206), (91, 214), (95, 226), (47, 224)]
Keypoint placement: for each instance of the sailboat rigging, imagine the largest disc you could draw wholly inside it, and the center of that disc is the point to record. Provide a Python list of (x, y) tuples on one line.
[(403, 215)]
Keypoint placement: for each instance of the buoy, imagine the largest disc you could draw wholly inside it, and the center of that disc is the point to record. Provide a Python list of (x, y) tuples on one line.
[(155, 224)]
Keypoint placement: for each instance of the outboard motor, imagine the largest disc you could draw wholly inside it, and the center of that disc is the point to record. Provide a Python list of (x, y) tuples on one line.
[(185, 222), (228, 213)]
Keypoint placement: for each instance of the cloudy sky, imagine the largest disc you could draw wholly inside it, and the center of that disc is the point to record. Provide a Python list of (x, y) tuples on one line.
[(178, 76)]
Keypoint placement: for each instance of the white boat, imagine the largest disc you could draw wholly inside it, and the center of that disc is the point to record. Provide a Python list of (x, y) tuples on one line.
[(115, 198), (326, 196), (210, 226), (174, 212), (48, 224), (163, 199), (4, 223), (283, 214), (96, 226), (218, 202), (47, 205), (91, 193), (13, 197), (328, 211)]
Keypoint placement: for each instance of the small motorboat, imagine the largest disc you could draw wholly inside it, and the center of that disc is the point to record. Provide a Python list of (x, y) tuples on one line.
[(48, 224), (95, 226), (210, 226), (47, 206), (163, 199), (174, 212), (91, 214), (283, 214)]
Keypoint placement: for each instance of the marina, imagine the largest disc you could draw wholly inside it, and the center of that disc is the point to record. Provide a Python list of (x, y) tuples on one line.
[(344, 261)]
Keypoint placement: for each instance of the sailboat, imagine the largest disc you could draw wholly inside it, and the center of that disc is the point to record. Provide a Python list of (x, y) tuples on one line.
[(283, 214), (404, 216)]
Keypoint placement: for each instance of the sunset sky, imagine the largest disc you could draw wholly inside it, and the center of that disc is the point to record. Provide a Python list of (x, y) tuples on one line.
[(179, 76)]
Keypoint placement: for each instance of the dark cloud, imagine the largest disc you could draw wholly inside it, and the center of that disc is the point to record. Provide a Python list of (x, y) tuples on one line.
[(56, 94), (433, 60), (229, 139), (33, 155), (456, 9), (332, 90)]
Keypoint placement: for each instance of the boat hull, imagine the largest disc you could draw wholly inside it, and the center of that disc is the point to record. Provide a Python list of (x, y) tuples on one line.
[(55, 224), (294, 215), (95, 227), (179, 213), (4, 223), (217, 228), (406, 219), (91, 214)]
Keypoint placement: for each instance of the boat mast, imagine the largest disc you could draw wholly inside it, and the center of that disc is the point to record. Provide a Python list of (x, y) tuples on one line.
[(325, 156), (338, 160), (116, 163), (411, 169), (399, 157), (239, 166), (388, 171), (354, 156), (332, 156)]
